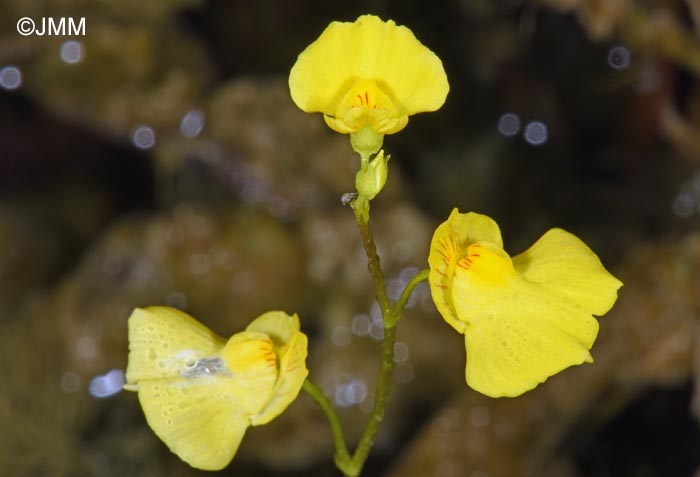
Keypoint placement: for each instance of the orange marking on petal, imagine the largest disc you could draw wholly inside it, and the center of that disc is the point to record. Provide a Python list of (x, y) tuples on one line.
[(366, 98)]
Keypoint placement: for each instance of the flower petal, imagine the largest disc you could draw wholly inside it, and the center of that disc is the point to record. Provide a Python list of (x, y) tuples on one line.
[(292, 374), (565, 266), (163, 340), (251, 358), (371, 49), (200, 419), (524, 336), (448, 246)]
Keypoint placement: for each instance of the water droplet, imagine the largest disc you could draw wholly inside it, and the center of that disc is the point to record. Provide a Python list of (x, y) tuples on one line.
[(10, 78), (108, 384), (72, 52), (143, 137), (536, 133), (509, 124)]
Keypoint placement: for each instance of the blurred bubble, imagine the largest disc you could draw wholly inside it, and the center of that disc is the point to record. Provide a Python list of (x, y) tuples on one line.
[(351, 393), (10, 78), (687, 201), (341, 336), (619, 57), (536, 133), (107, 384), (143, 137), (400, 352), (509, 124), (192, 123), (361, 325), (70, 382), (86, 347), (177, 300), (72, 52)]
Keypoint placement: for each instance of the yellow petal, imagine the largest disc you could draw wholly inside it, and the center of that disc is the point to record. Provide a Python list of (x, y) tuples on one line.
[(250, 356), (293, 372), (163, 341), (291, 348), (198, 418), (449, 245), (565, 266), (386, 61), (279, 326), (524, 336)]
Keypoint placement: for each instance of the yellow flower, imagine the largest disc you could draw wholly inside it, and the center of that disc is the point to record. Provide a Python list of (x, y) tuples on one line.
[(200, 392), (524, 319), (368, 73)]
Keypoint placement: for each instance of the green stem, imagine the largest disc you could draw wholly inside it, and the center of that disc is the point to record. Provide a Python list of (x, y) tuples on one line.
[(397, 309), (375, 270), (342, 456)]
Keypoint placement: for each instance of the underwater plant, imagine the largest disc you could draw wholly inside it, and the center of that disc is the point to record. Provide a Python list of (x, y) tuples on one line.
[(524, 318)]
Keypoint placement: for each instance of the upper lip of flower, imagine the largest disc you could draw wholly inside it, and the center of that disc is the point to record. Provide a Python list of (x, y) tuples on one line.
[(368, 72)]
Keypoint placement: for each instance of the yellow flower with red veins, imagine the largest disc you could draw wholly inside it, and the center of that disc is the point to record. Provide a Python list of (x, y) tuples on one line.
[(524, 318), (200, 392), (370, 75)]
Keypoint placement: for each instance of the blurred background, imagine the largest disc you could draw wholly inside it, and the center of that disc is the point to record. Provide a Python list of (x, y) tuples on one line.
[(158, 159)]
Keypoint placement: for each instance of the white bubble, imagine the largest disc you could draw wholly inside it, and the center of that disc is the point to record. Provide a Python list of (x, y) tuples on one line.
[(536, 133), (72, 52), (400, 352), (341, 336), (10, 78), (360, 325), (143, 137), (70, 382), (192, 123), (509, 124), (349, 394), (107, 384), (619, 57)]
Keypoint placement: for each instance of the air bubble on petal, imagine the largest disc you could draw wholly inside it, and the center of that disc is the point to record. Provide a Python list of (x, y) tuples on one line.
[(509, 124), (108, 384), (536, 133)]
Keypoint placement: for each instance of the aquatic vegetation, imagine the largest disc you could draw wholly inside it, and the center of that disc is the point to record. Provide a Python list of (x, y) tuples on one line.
[(523, 319)]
